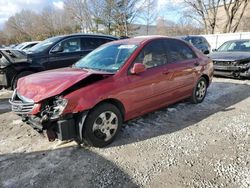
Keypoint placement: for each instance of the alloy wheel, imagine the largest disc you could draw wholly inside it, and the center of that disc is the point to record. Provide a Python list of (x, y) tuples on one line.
[(201, 90), (105, 125)]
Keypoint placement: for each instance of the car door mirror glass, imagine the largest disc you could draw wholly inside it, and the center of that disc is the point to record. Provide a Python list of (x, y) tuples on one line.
[(138, 68)]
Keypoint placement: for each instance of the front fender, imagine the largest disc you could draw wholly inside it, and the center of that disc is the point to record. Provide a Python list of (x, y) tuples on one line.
[(80, 124)]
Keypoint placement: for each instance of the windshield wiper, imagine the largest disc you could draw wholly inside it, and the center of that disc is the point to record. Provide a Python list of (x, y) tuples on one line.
[(95, 69)]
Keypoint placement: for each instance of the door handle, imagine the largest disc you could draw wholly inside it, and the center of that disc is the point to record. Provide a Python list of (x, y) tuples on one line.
[(165, 72), (196, 64)]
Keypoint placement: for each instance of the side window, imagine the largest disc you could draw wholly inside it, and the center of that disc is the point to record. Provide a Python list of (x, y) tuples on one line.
[(103, 41), (204, 41), (69, 45), (89, 43), (93, 43), (152, 55), (178, 51)]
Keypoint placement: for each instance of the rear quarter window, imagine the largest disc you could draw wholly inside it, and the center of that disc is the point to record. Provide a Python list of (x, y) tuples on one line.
[(93, 43)]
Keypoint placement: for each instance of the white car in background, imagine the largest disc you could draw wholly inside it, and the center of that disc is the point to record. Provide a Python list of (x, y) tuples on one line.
[(26, 45)]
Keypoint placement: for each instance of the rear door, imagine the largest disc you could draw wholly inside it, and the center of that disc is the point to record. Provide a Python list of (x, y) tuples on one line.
[(91, 43), (180, 69)]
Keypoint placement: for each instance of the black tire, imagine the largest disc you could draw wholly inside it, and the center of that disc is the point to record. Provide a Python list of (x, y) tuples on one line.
[(20, 75), (199, 91), (99, 136)]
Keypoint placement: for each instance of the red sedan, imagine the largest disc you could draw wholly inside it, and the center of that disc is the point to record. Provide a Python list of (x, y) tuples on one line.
[(115, 83)]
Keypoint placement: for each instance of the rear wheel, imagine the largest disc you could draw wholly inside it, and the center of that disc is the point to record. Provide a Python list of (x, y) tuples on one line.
[(18, 76), (102, 125), (200, 91)]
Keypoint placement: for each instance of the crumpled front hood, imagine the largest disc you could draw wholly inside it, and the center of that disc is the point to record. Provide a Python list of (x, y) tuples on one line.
[(12, 56), (47, 84), (230, 56)]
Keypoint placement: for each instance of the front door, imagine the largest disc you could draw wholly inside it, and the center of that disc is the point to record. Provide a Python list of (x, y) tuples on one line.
[(145, 88), (69, 53)]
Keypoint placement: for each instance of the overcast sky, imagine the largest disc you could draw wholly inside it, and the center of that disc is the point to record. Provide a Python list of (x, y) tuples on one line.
[(10, 7)]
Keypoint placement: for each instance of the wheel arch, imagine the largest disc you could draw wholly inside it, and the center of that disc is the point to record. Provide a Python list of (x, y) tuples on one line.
[(116, 103), (206, 78)]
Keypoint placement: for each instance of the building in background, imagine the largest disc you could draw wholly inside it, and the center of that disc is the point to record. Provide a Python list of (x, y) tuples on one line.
[(244, 24)]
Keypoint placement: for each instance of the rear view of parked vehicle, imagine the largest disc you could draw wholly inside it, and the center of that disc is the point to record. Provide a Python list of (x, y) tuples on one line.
[(232, 59), (199, 42), (52, 53), (118, 81)]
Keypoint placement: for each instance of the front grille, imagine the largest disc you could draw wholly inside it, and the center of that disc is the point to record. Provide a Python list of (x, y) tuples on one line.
[(21, 105), (224, 63)]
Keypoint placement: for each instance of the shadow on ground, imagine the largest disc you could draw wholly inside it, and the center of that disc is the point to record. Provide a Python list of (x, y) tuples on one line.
[(221, 97), (66, 167)]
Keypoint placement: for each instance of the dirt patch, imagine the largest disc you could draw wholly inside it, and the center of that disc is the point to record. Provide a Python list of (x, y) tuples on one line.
[(184, 145)]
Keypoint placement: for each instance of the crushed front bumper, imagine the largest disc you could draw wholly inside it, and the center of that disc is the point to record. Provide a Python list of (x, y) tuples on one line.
[(3, 79), (232, 71), (63, 129)]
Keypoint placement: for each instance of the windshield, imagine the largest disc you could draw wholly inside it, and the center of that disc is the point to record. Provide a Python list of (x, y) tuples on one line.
[(108, 58), (233, 46), (44, 44), (19, 46)]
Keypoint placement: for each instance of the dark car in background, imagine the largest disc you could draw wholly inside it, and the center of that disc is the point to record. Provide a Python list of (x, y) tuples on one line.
[(232, 59), (199, 42), (52, 53)]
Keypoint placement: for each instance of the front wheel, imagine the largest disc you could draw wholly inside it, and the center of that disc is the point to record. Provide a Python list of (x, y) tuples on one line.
[(199, 91), (102, 125)]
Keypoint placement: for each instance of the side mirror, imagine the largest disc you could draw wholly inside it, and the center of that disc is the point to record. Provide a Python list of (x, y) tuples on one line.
[(138, 68), (57, 49), (206, 52)]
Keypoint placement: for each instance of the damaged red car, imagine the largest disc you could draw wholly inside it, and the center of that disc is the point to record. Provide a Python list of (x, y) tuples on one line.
[(113, 84)]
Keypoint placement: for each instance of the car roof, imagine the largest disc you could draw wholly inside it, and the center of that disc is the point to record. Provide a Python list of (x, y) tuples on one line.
[(91, 35), (190, 36), (140, 39), (238, 40)]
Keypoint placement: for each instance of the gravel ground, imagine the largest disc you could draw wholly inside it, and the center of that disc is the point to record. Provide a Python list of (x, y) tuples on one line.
[(184, 145)]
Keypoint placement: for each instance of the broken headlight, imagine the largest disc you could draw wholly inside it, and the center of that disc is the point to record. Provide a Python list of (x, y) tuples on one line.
[(59, 104)]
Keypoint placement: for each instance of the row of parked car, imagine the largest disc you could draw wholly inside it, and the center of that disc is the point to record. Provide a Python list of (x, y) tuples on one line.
[(15, 64), (120, 80)]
